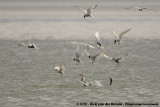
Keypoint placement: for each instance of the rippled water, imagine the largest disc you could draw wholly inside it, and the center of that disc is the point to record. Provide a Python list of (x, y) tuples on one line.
[(28, 79), (27, 76)]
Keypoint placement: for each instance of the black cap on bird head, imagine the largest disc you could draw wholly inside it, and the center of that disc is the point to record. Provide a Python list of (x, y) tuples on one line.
[(81, 74), (115, 41)]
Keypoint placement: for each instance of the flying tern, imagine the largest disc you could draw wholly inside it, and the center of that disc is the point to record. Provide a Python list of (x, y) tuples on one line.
[(29, 45), (79, 52), (88, 12), (141, 9), (93, 58), (119, 37), (60, 70), (99, 44), (117, 60)]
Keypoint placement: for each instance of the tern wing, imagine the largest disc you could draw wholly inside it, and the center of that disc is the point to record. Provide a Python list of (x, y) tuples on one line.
[(129, 7), (123, 57), (89, 10), (78, 52), (87, 45), (35, 46), (107, 56), (97, 36), (150, 9), (115, 34), (85, 12), (87, 53), (97, 83), (74, 42), (84, 83), (24, 44), (63, 67), (133, 8), (124, 32), (136, 7), (100, 54)]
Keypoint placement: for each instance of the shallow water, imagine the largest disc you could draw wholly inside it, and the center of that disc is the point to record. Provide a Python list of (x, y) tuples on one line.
[(27, 76)]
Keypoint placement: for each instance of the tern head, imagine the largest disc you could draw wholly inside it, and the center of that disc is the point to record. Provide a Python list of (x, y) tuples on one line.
[(56, 69), (98, 43), (140, 9), (115, 41), (89, 56), (87, 15), (81, 75), (74, 59), (112, 59)]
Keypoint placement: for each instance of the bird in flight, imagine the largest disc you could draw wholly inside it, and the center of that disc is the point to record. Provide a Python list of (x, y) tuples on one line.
[(99, 43), (117, 60), (119, 37), (29, 45), (93, 58), (60, 70), (141, 9), (88, 12), (79, 53)]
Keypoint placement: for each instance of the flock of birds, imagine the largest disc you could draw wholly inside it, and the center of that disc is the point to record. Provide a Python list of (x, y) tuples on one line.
[(89, 10), (82, 48)]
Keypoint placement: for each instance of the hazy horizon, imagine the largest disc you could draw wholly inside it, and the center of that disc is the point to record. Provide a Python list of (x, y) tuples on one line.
[(38, 19)]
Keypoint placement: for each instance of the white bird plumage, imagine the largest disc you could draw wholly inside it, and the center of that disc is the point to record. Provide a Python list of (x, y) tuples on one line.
[(79, 52), (88, 12), (29, 45), (117, 60), (119, 37), (93, 58), (91, 83), (60, 70), (86, 46), (99, 43)]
